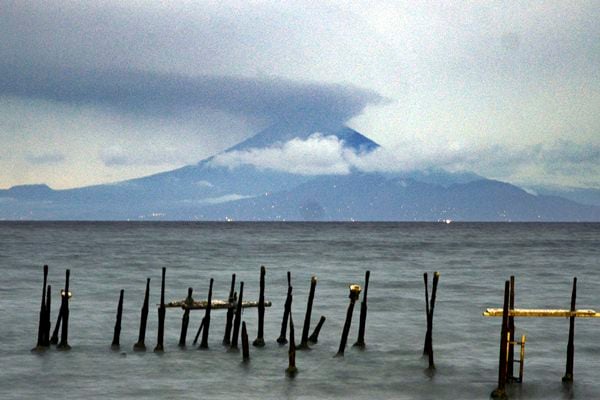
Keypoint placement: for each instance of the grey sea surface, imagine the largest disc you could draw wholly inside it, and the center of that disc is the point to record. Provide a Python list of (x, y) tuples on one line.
[(474, 260)]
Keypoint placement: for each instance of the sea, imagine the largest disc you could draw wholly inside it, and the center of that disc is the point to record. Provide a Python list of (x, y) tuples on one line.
[(474, 261)]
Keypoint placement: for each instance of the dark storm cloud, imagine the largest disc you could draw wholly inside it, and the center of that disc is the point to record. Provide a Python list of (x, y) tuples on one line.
[(161, 93)]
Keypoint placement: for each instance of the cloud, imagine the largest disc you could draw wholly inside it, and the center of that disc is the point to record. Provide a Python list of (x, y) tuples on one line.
[(45, 158), (120, 156)]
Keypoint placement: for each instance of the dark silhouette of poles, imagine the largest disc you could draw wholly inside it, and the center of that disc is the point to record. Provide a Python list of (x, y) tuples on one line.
[(426, 344), (46, 338), (311, 296), (117, 332), (354, 292), (314, 338), (260, 341), (245, 346), (141, 345), (430, 309), (291, 370), (286, 311), (360, 342), (54, 339), (64, 333), (500, 391), (161, 315), (42, 318), (230, 312), (511, 331), (238, 319), (185, 320), (206, 320), (571, 346)]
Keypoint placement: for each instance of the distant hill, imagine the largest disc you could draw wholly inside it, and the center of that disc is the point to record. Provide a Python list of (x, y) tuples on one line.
[(207, 192)]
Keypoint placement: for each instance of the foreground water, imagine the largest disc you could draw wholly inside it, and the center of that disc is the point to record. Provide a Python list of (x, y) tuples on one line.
[(474, 260)]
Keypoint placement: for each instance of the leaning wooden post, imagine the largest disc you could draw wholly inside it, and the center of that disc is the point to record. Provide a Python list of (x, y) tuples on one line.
[(360, 342), (42, 317), (436, 277), (46, 339), (204, 342), (245, 346), (117, 332), (54, 338), (199, 331), (500, 391), (291, 370), (571, 346), (428, 329), (64, 332), (141, 345), (238, 319), (161, 315), (314, 338), (230, 312), (354, 292), (286, 312), (511, 331), (185, 321), (311, 296), (260, 340)]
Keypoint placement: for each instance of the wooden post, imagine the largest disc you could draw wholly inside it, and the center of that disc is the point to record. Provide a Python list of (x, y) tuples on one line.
[(511, 330), (426, 344), (64, 332), (436, 277), (291, 370), (354, 292), (238, 319), (571, 346), (230, 312), (161, 316), (204, 342), (245, 346), (117, 332), (46, 339), (185, 321), (360, 342), (500, 391), (141, 345), (286, 311), (54, 339), (311, 296), (314, 338), (260, 340), (199, 330), (42, 318)]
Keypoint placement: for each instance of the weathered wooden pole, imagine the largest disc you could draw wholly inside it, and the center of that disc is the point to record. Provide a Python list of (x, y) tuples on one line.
[(500, 391), (238, 319), (64, 332), (245, 346), (291, 370), (230, 312), (260, 340), (426, 344), (286, 311), (46, 339), (571, 346), (141, 345), (117, 332), (436, 277), (54, 338), (199, 331), (314, 338), (204, 342), (42, 318), (354, 292), (360, 342), (511, 330), (161, 316), (311, 296), (185, 320)]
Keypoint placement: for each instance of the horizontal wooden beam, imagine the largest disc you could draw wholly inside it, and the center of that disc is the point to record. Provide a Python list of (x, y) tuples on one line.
[(531, 312), (215, 304)]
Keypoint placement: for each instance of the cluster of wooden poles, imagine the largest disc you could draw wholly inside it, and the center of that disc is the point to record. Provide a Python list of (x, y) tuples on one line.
[(234, 305)]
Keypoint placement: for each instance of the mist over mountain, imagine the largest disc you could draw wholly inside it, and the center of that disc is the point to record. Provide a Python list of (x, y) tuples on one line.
[(289, 171)]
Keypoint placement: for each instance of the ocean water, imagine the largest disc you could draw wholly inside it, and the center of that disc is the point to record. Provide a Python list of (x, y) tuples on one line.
[(474, 261)]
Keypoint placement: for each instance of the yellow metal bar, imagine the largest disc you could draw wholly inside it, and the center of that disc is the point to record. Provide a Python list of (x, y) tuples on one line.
[(523, 312)]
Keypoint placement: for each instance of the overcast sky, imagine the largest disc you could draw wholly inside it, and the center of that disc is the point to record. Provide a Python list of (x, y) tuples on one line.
[(94, 92)]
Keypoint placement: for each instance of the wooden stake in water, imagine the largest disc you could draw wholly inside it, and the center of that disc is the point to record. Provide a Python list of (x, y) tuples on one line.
[(311, 296), (260, 341), (500, 391), (206, 320), (436, 277), (54, 339), (117, 332), (245, 346), (64, 333), (141, 345), (360, 342), (199, 331), (571, 346), (426, 344), (46, 338), (354, 293), (230, 312), (161, 315), (314, 338), (291, 370), (511, 330), (238, 319), (42, 317), (189, 300), (286, 311)]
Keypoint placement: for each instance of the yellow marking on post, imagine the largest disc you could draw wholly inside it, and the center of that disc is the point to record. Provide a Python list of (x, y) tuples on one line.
[(526, 312)]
